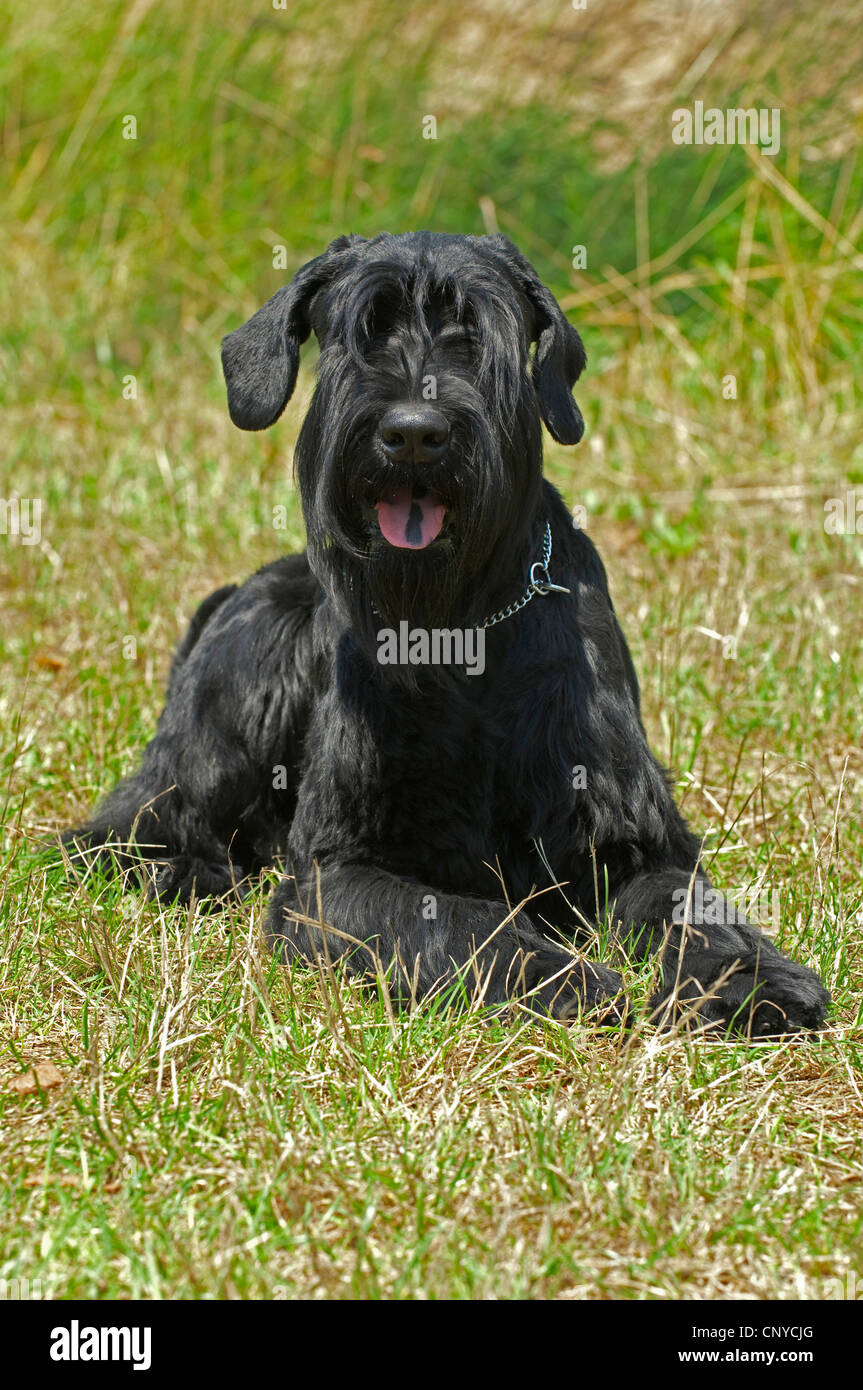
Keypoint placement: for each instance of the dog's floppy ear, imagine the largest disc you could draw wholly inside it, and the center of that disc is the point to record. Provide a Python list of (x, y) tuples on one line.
[(261, 359), (559, 359)]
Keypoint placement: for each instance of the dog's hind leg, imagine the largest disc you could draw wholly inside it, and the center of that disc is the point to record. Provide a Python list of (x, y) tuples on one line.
[(213, 799), (131, 825), (143, 832), (377, 920)]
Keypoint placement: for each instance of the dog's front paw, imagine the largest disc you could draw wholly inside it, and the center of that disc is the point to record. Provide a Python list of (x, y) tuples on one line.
[(758, 994), (186, 878), (585, 990)]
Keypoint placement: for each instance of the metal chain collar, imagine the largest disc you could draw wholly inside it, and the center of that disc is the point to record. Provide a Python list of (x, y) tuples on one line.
[(536, 586)]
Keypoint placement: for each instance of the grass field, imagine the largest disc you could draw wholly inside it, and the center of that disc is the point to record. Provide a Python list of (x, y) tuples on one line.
[(215, 1126)]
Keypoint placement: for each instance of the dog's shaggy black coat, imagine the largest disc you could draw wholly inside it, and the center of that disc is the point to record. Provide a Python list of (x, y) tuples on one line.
[(401, 797)]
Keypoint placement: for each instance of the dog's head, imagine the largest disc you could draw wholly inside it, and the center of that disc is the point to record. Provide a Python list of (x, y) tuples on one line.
[(421, 452)]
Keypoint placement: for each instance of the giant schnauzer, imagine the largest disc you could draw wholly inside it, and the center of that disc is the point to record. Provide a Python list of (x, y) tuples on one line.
[(447, 824)]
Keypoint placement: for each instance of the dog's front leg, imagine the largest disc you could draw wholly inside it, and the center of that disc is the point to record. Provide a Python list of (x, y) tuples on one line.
[(717, 970), (425, 940)]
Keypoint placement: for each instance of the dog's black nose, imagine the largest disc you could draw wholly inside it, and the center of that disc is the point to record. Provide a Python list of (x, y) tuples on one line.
[(413, 434)]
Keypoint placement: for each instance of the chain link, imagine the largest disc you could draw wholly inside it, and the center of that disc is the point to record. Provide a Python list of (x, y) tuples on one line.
[(536, 586)]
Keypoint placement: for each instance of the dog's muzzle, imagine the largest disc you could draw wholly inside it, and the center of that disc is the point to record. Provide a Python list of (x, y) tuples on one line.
[(410, 515)]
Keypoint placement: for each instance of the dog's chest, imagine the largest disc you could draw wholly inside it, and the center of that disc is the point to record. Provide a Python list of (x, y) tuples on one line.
[(432, 786)]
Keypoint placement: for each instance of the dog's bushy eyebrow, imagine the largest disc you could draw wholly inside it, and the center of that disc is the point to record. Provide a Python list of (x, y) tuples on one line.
[(354, 302), (499, 331), (473, 295)]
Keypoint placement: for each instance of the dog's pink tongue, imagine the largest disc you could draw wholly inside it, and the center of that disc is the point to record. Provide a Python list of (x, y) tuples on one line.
[(408, 521)]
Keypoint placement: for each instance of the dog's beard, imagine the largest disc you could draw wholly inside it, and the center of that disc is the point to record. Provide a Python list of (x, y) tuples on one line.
[(393, 585), (484, 493)]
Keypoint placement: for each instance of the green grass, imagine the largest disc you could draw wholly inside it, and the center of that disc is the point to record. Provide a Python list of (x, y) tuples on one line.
[(226, 1127)]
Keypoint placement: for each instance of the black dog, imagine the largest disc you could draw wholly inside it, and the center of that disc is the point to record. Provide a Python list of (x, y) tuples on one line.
[(405, 796)]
